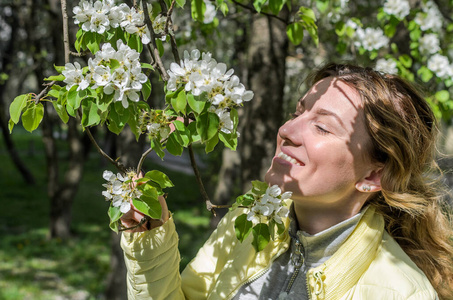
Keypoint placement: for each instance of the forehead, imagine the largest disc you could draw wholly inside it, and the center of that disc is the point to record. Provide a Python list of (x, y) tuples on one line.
[(334, 93)]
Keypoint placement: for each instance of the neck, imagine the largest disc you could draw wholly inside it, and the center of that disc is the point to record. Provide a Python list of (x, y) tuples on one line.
[(316, 219)]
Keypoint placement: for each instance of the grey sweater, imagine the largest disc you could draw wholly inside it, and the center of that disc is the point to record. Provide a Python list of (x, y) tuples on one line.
[(291, 266)]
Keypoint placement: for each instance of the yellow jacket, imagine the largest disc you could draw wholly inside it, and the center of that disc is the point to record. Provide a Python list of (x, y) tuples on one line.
[(369, 265)]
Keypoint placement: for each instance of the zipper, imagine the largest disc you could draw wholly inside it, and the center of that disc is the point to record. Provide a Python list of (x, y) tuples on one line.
[(297, 260), (257, 275)]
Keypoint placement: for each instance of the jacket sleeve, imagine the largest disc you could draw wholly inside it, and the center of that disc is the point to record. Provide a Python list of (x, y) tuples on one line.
[(152, 260), (200, 275)]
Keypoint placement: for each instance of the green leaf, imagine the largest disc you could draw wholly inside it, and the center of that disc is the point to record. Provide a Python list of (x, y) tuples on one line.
[(159, 178), (261, 236), (425, 74), (197, 103), (61, 111), (442, 96), (135, 43), (242, 227), (340, 28), (182, 133), (295, 33), (90, 115), (198, 9), (181, 3), (194, 136), (245, 200), (313, 31), (307, 12), (173, 146), (75, 98), (179, 102), (79, 40), (258, 4), (280, 228), (114, 214), (230, 140), (235, 118), (10, 126), (55, 78), (118, 117), (207, 125), (157, 147), (148, 206), (276, 6), (259, 187), (146, 90), (59, 69), (210, 144), (147, 66), (91, 42), (32, 116), (406, 60), (160, 47), (16, 107)]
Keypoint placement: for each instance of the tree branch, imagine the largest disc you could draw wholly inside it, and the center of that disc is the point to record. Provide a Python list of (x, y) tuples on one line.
[(153, 46), (253, 10), (65, 31), (116, 163), (44, 91), (203, 192)]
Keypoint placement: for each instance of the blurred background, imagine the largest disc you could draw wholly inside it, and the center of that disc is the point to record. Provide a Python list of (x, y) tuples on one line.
[(55, 242)]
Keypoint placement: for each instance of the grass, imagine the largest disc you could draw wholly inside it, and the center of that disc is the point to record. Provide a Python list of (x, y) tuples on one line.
[(35, 267)]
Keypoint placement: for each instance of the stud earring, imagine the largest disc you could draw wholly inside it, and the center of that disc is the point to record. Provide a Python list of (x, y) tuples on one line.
[(366, 188)]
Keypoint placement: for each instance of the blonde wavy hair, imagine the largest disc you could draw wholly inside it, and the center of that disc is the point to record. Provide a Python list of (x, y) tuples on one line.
[(403, 131)]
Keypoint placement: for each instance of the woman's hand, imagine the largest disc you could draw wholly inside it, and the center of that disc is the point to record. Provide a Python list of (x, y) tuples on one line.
[(133, 218)]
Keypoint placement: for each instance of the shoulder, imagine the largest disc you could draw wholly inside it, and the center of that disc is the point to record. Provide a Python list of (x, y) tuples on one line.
[(392, 272)]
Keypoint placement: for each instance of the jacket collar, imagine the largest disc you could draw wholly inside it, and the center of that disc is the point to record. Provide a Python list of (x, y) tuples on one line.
[(341, 272)]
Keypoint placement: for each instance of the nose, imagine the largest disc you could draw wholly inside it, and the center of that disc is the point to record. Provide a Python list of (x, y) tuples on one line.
[(288, 130)]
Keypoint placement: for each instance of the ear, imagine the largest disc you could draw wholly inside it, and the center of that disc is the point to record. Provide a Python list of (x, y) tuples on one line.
[(371, 182)]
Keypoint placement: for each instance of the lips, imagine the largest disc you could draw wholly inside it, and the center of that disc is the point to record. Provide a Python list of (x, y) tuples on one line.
[(289, 159)]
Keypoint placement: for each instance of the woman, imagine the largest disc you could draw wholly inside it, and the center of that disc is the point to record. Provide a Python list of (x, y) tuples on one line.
[(366, 218)]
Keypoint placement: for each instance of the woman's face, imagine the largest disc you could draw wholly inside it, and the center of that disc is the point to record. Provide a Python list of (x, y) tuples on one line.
[(321, 152)]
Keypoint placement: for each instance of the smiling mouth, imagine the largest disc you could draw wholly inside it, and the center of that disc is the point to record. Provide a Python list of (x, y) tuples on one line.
[(288, 158)]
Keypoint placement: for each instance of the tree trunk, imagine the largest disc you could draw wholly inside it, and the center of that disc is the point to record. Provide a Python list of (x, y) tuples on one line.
[(264, 114), (7, 60)]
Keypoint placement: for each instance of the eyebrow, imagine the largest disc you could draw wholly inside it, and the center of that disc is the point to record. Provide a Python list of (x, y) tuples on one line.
[(325, 112)]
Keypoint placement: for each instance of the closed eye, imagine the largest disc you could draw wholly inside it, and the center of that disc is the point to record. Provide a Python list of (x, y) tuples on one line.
[(321, 130)]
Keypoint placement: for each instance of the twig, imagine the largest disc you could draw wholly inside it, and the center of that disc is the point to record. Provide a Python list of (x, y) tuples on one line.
[(253, 10), (76, 54), (204, 195), (168, 27), (154, 50), (44, 91), (116, 163)]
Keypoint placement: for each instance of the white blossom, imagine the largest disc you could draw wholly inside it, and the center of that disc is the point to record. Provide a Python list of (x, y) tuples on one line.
[(271, 205), (206, 75), (387, 66), (398, 8), (371, 38), (429, 44), (74, 76), (430, 18), (440, 66), (226, 124), (125, 80), (209, 13), (119, 190)]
